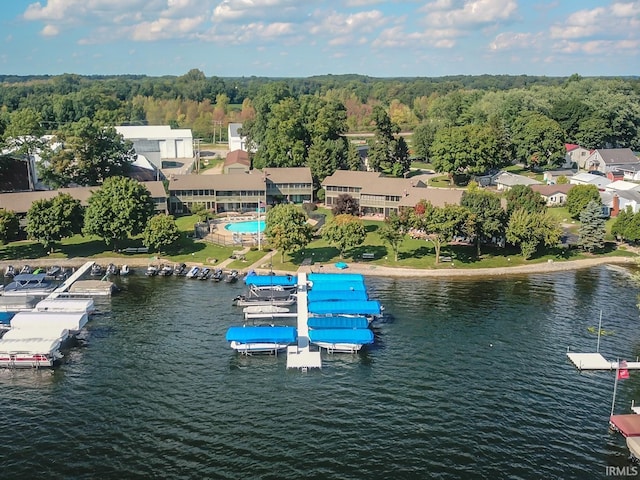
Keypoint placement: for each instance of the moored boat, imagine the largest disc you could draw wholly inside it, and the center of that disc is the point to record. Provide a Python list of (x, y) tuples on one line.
[(29, 284), (341, 340), (96, 270), (10, 271), (261, 339), (243, 301), (29, 352), (193, 272), (165, 270), (152, 271), (111, 269), (217, 275), (204, 273), (232, 276), (125, 270)]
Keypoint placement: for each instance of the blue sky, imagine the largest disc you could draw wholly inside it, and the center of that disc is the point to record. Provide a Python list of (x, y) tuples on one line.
[(300, 38)]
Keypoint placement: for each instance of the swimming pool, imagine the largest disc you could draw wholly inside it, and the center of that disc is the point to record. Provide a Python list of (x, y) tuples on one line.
[(252, 226)]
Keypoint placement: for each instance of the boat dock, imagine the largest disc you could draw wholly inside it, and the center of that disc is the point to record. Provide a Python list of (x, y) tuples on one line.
[(73, 286), (596, 361), (300, 355)]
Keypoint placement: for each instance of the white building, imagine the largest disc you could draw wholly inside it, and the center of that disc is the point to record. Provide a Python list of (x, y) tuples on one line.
[(236, 142), (590, 179), (160, 143)]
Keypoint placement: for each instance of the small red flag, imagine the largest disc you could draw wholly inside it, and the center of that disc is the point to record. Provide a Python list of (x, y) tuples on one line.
[(623, 372)]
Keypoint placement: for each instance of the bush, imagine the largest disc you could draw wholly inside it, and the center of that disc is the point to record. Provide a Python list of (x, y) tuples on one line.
[(320, 195), (309, 207)]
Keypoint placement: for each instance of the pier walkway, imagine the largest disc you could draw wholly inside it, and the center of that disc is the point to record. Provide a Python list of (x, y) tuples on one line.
[(64, 287), (301, 356)]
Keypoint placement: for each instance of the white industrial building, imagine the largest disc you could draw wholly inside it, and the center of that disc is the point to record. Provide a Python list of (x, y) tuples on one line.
[(161, 145)]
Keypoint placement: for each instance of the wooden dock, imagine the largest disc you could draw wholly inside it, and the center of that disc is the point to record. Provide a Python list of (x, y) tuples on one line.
[(301, 356), (73, 286)]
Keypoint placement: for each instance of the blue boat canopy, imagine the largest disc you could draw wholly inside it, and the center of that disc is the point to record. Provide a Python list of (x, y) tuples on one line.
[(271, 280), (337, 321), (335, 285), (358, 337), (346, 307), (262, 334), (335, 277), (326, 295)]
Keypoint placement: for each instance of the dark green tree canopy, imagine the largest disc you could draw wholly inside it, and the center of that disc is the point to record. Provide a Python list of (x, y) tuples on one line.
[(532, 229), (579, 197), (489, 216), (90, 153), (161, 232), (9, 225), (49, 221), (522, 197), (592, 228), (287, 229), (118, 210), (539, 141)]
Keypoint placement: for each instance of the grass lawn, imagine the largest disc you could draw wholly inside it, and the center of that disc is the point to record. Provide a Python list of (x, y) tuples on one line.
[(413, 253)]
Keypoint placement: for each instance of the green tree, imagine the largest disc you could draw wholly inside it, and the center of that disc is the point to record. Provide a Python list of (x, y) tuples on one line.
[(592, 228), (287, 229), (344, 232), (530, 229), (538, 140), (422, 138), (89, 154), (119, 209), (489, 216), (9, 225), (393, 232), (387, 152), (562, 180), (579, 197), (51, 220), (161, 232), (23, 136), (441, 224), (200, 210), (624, 227), (469, 149), (522, 197)]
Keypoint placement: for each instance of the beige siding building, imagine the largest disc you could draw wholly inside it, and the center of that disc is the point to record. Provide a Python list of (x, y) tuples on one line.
[(378, 195), (240, 192)]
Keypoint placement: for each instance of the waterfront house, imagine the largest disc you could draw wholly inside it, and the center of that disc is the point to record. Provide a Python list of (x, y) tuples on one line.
[(240, 191), (584, 178), (608, 159), (576, 154), (554, 194), (507, 180)]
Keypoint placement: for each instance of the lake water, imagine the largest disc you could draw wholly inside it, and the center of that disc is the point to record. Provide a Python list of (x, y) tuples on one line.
[(469, 381)]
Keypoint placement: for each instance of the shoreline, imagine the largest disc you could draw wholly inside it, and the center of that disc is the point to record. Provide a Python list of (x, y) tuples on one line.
[(365, 269)]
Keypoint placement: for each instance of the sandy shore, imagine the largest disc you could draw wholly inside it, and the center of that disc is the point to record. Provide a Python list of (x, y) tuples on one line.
[(363, 268)]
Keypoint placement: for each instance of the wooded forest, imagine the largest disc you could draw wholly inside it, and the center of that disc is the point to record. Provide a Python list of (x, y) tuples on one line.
[(461, 123)]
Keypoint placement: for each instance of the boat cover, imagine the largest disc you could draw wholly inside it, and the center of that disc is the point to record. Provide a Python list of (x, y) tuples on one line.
[(32, 320), (337, 321), (346, 307), (361, 336), (349, 285), (629, 425), (326, 295), (50, 333), (335, 277), (271, 280), (262, 334), (66, 305), (29, 345), (5, 317), (30, 277)]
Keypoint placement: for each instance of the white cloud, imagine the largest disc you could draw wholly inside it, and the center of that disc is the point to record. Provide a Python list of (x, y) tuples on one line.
[(615, 20), (446, 13), (163, 28), (514, 40), (50, 31), (341, 24)]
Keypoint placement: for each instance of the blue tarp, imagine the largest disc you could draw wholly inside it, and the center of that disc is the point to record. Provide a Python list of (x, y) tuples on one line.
[(359, 307), (358, 337), (268, 280), (326, 295), (5, 317), (333, 286), (335, 277), (262, 334), (341, 265), (337, 322)]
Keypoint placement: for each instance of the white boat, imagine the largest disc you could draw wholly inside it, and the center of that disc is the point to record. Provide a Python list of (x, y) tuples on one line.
[(165, 271), (125, 270), (34, 320), (152, 271), (66, 305), (29, 284), (249, 348), (10, 272), (243, 301), (29, 353), (193, 272), (264, 309), (264, 339)]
